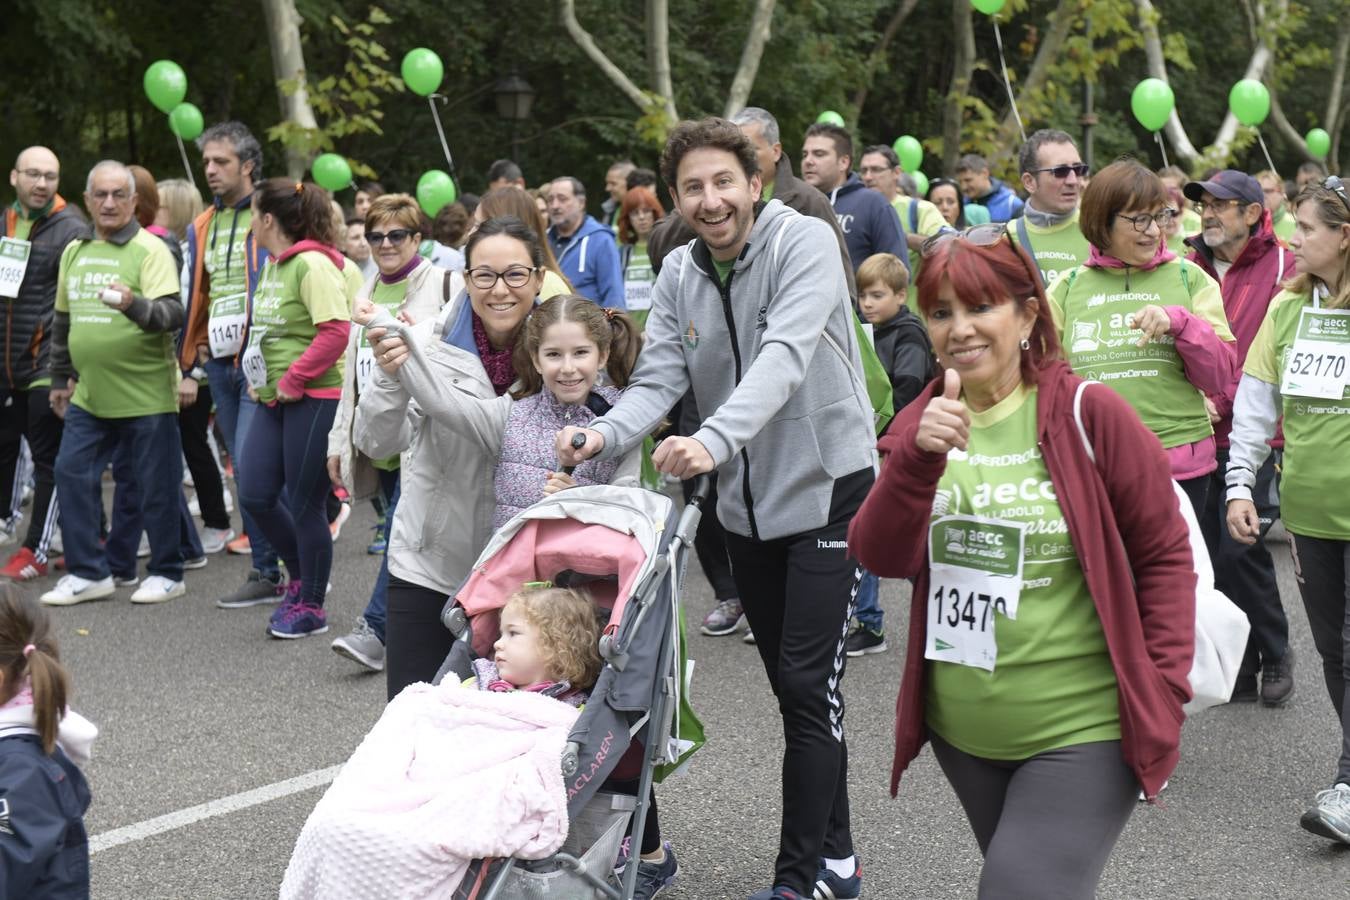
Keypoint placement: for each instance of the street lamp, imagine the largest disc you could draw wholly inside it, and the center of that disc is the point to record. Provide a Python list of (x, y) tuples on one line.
[(514, 96)]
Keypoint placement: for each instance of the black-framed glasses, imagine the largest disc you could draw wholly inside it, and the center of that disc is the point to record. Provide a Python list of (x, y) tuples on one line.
[(485, 279), (1141, 222), (1062, 172), (395, 237), (1334, 183), (985, 235), (1201, 206)]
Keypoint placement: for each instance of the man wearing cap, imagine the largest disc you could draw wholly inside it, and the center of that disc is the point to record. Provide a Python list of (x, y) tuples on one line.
[(1237, 246)]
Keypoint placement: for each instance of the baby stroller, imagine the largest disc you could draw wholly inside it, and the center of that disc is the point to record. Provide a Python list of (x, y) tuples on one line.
[(629, 548)]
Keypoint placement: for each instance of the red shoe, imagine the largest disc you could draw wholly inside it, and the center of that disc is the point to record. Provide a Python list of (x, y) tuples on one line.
[(239, 546), (23, 566)]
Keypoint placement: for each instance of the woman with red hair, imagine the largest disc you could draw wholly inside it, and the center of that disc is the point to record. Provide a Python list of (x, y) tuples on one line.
[(637, 217), (1053, 613)]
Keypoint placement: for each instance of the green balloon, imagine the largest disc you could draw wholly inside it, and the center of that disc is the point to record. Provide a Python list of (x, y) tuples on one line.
[(165, 84), (435, 189), (830, 117), (1152, 103), (186, 121), (910, 151), (921, 183), (1318, 141), (422, 71), (988, 7), (1249, 101), (331, 172)]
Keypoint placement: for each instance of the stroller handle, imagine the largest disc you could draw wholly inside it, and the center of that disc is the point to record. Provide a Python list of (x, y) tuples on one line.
[(702, 487), (578, 441)]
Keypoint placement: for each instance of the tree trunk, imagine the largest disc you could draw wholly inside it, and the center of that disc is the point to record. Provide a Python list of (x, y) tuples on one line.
[(963, 66), (1256, 69), (877, 58), (288, 64), (750, 56), (1063, 20), (1182, 148), (583, 39), (658, 53), (1335, 117)]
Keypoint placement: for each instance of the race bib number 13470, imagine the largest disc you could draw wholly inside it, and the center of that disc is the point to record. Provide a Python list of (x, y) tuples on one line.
[(975, 576)]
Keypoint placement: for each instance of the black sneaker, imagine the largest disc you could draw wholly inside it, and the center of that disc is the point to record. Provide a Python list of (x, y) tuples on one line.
[(1244, 689), (864, 641), (1277, 680), (254, 592)]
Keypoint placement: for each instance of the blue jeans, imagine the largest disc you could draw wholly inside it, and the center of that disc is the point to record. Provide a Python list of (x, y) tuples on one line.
[(867, 603), (234, 412), (124, 536), (377, 607), (156, 455), (285, 484)]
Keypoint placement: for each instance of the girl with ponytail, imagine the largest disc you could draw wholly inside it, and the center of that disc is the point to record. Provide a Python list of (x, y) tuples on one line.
[(44, 849), (565, 344)]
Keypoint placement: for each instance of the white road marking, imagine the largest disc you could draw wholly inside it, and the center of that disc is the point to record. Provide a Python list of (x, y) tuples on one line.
[(223, 806)]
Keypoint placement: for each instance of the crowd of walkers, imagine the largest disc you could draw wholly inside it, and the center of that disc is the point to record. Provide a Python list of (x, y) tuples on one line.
[(1057, 354)]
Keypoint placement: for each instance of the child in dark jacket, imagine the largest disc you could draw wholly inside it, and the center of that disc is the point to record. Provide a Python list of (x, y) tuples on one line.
[(905, 351), (44, 850)]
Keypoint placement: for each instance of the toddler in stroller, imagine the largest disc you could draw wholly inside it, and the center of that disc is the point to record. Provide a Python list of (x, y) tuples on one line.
[(449, 775)]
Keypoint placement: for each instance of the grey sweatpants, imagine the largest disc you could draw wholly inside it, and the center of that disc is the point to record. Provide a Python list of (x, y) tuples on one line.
[(1045, 825)]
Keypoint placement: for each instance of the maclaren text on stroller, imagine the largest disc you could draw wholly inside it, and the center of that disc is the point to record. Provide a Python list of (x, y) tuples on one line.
[(629, 547)]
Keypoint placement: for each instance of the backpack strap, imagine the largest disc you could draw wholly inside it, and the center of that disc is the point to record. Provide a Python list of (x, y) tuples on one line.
[(1078, 420), (914, 215), (1024, 238)]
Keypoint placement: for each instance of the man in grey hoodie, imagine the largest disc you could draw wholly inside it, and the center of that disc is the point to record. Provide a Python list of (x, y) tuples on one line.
[(754, 315)]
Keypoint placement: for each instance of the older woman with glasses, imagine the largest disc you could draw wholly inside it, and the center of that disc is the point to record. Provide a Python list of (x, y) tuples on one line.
[(1298, 368), (1047, 716), (410, 287), (1147, 324)]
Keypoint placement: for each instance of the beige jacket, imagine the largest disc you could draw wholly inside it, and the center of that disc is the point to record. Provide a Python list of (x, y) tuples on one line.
[(429, 289)]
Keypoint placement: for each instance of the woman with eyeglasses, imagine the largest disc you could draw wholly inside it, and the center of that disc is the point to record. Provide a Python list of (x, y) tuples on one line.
[(1053, 611), (446, 503), (637, 217), (945, 194), (414, 289), (516, 201), (1298, 367), (1147, 324), (299, 324)]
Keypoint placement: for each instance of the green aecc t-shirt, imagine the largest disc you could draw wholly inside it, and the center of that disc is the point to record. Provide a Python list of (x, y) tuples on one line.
[(122, 370)]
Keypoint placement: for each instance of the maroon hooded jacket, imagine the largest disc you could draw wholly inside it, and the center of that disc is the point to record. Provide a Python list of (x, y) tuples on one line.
[(1254, 279), (1131, 540)]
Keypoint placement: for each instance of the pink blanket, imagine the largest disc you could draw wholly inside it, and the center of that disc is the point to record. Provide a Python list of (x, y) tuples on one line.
[(447, 775)]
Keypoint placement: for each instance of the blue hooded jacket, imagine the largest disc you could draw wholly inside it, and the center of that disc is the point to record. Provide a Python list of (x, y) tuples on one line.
[(44, 849), (1002, 202), (590, 260)]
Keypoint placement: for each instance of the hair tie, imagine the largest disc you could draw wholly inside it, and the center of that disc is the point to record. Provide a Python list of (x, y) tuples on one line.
[(609, 312), (299, 187), (28, 650)]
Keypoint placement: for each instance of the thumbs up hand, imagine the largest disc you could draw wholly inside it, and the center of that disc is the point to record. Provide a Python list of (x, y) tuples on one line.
[(946, 421)]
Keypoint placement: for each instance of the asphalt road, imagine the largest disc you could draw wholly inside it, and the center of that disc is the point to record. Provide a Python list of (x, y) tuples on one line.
[(196, 704)]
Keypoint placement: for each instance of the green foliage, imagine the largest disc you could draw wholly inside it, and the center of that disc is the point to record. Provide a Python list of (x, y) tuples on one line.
[(348, 103)]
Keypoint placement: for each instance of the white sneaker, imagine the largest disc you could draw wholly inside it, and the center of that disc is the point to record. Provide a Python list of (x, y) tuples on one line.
[(157, 589), (143, 549), (215, 539), (72, 589), (195, 505)]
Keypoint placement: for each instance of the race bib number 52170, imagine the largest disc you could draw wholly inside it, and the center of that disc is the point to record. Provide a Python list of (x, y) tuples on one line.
[(1318, 364), (975, 576)]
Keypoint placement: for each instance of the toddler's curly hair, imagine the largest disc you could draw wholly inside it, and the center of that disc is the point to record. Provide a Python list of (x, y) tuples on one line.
[(569, 632)]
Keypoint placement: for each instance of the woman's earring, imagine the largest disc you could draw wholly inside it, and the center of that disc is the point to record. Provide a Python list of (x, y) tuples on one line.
[(1026, 344)]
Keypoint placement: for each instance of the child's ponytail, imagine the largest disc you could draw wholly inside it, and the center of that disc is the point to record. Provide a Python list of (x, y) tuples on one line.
[(624, 345), (29, 659)]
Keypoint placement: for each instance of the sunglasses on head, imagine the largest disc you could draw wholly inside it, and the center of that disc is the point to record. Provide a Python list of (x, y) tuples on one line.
[(1062, 172), (396, 237), (985, 235), (1334, 183)]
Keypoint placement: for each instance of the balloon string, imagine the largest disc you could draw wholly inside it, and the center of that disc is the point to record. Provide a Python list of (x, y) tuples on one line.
[(1157, 135), (1003, 63), (435, 114), (1266, 152), (187, 167)]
